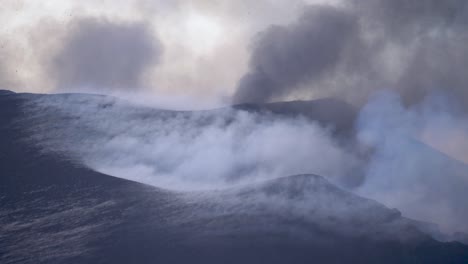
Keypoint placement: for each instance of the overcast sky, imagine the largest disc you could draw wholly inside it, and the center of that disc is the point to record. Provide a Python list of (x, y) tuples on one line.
[(224, 51), (197, 48)]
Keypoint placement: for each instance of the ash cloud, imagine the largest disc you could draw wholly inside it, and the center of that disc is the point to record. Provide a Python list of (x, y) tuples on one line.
[(432, 34), (414, 15), (97, 53), (352, 50), (284, 57)]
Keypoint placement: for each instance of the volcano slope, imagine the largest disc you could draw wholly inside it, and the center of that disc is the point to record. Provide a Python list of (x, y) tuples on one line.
[(56, 210)]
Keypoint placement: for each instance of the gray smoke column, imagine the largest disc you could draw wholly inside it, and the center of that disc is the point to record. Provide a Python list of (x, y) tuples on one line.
[(428, 38), (101, 54), (284, 57), (352, 50)]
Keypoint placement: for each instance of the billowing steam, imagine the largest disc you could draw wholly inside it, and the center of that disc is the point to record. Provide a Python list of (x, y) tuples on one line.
[(403, 63), (404, 171), (220, 148), (186, 150)]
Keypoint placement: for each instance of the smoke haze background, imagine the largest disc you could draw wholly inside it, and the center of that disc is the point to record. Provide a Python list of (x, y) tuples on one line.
[(100, 53), (223, 51), (402, 64), (405, 172), (413, 47)]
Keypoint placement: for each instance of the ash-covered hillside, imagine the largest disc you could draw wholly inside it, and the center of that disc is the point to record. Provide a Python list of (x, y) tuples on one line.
[(56, 208)]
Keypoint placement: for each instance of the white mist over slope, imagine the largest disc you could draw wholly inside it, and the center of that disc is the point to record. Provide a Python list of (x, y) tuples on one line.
[(406, 173), (200, 150), (185, 150)]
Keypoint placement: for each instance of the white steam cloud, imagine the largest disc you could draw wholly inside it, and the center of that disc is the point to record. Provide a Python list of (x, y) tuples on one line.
[(404, 171), (186, 150), (182, 150)]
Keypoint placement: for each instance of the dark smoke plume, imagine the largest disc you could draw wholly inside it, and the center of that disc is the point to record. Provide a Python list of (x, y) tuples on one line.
[(413, 47), (284, 57)]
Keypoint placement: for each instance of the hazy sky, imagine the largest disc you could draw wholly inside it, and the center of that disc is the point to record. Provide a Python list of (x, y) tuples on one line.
[(223, 51), (197, 49)]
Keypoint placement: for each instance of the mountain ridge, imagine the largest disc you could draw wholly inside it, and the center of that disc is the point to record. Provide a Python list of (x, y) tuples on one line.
[(57, 210)]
